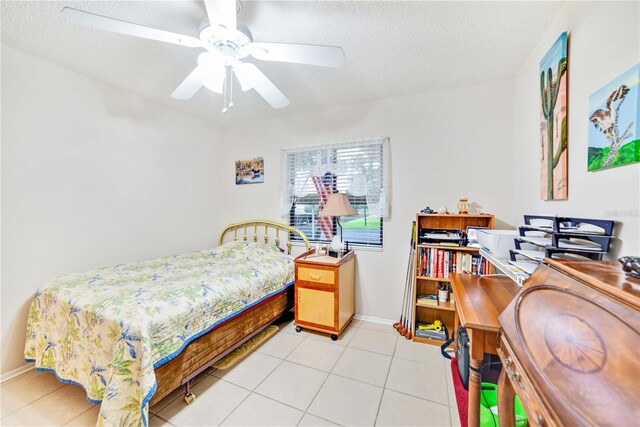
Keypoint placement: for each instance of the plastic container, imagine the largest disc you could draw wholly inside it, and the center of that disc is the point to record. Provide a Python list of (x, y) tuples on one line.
[(498, 242), (488, 400)]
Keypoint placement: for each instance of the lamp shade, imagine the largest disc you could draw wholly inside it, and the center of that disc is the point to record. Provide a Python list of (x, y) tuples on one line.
[(338, 205)]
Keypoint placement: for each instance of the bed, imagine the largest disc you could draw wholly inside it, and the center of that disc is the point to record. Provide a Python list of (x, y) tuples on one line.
[(132, 333)]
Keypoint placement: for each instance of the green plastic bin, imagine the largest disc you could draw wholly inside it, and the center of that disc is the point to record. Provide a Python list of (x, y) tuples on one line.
[(488, 400)]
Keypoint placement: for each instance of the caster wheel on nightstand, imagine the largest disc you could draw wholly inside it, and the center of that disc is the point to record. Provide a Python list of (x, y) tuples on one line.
[(334, 337), (298, 328), (189, 398)]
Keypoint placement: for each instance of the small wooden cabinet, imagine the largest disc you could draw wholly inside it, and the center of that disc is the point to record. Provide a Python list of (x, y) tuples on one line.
[(324, 293)]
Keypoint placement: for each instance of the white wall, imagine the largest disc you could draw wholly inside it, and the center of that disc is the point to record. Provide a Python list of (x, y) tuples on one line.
[(92, 176), (604, 42), (443, 145)]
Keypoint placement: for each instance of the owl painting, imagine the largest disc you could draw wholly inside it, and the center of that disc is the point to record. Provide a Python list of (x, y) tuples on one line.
[(614, 139)]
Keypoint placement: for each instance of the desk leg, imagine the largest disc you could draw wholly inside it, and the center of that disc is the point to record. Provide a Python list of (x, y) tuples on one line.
[(476, 350), (506, 396)]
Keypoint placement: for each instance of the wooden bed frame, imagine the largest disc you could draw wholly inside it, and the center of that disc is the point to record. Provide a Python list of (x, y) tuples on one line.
[(217, 343)]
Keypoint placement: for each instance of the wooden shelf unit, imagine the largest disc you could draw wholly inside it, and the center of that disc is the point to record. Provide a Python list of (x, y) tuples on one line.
[(445, 312), (441, 306), (435, 279), (451, 248)]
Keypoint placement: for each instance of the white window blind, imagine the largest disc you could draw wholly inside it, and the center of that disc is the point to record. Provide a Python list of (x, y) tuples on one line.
[(359, 169)]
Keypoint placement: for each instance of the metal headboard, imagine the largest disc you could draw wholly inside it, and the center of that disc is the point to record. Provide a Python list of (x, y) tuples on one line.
[(266, 226)]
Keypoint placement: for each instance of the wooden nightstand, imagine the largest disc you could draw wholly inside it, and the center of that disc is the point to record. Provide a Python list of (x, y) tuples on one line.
[(324, 293)]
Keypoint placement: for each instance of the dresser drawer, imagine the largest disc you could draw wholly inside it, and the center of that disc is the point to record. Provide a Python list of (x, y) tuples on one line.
[(533, 406), (316, 275)]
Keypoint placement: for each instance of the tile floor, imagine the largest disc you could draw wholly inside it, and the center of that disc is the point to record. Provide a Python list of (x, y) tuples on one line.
[(370, 376)]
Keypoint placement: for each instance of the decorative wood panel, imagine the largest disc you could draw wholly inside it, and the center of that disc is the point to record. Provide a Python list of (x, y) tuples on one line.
[(316, 307), (571, 346)]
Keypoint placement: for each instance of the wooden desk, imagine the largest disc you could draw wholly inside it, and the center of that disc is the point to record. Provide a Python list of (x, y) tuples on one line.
[(479, 302)]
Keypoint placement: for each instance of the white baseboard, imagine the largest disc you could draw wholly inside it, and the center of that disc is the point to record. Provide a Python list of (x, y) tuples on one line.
[(16, 372), (374, 319)]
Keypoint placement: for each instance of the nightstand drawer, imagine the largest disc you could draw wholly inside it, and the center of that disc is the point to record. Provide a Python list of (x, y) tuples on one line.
[(316, 275)]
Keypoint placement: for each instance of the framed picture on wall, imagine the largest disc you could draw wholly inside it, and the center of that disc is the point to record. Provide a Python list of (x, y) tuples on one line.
[(553, 122), (614, 131), (250, 171)]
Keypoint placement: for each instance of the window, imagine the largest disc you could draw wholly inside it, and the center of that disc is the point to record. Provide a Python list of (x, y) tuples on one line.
[(358, 169)]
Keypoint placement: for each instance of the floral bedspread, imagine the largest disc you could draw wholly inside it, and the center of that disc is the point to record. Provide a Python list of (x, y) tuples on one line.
[(107, 329)]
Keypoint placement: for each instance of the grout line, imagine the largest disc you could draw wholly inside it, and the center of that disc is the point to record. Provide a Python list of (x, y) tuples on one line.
[(447, 380), (257, 385), (166, 421), (90, 409), (281, 361), (324, 419), (384, 386), (344, 348), (359, 381), (41, 397), (252, 391), (237, 406), (314, 398), (417, 397), (271, 399), (327, 373)]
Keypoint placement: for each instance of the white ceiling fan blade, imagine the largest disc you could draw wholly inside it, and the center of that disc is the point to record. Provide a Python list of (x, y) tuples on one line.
[(326, 56), (222, 12), (100, 22), (268, 90), (191, 85), (246, 74)]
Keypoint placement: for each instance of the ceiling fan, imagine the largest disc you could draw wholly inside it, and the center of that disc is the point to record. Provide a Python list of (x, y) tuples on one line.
[(226, 43)]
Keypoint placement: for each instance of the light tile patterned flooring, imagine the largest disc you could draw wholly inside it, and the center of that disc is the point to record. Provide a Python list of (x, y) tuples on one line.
[(370, 376)]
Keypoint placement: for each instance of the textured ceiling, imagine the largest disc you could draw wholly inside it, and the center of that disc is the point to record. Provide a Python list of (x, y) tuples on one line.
[(392, 48)]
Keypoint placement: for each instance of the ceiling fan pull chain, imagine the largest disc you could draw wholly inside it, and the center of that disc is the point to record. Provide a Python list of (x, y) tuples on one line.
[(230, 74), (228, 89), (225, 91)]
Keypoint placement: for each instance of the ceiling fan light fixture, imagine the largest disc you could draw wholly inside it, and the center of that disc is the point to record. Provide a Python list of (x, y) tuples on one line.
[(214, 83), (246, 74)]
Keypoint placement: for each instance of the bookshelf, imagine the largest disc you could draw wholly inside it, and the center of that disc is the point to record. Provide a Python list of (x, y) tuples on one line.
[(428, 283)]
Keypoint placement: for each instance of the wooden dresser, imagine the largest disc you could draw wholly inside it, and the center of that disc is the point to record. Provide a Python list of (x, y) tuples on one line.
[(570, 346), (325, 293)]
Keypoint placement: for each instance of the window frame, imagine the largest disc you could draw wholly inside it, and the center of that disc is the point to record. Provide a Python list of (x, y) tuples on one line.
[(295, 203)]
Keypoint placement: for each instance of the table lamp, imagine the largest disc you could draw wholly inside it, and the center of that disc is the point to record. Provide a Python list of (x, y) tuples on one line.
[(338, 205)]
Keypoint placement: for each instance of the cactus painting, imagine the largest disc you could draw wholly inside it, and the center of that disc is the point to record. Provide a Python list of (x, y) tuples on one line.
[(553, 122), (614, 131)]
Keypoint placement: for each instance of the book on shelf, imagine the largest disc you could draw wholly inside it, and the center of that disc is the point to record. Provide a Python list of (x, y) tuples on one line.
[(440, 263), (429, 299)]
